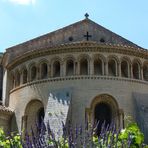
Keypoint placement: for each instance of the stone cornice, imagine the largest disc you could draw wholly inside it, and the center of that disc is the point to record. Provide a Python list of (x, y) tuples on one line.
[(5, 110), (80, 77), (85, 46)]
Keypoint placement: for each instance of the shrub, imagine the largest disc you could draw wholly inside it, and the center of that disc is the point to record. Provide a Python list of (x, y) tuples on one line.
[(109, 137)]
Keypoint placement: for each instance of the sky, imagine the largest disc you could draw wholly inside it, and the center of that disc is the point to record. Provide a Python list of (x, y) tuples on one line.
[(22, 20)]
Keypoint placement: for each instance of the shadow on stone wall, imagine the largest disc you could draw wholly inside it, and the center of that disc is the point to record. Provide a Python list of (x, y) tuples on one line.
[(141, 110), (14, 126)]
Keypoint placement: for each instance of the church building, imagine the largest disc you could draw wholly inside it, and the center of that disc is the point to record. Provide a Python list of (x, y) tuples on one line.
[(82, 73)]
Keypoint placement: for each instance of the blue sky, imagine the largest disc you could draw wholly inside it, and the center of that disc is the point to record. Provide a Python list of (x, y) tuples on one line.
[(22, 20)]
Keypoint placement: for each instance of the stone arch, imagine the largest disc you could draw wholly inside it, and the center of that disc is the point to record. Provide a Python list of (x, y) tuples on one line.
[(84, 62), (32, 72), (56, 63), (145, 71), (125, 67), (56, 69), (12, 80), (17, 78), (105, 101), (113, 63), (24, 75), (98, 64), (136, 69), (33, 114), (43, 68), (69, 57), (70, 67)]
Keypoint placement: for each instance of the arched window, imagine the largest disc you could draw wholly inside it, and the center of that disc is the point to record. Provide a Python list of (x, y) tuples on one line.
[(24, 76), (124, 69), (136, 70), (56, 69), (97, 67), (69, 68), (33, 73), (83, 67), (34, 113), (44, 70), (17, 78), (145, 72), (112, 67)]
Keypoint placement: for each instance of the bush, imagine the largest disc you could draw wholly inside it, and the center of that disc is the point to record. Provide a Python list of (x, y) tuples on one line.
[(130, 137)]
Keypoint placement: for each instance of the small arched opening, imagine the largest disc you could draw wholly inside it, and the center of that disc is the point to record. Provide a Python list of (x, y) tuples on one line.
[(136, 70), (24, 76), (56, 69), (124, 69), (112, 67), (83, 67), (69, 68), (17, 83), (97, 67), (44, 71), (33, 73), (104, 109), (34, 114)]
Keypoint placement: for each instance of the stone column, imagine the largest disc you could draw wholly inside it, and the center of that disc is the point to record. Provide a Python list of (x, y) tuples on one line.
[(62, 69), (37, 73), (131, 70), (141, 72), (103, 68), (106, 68), (78, 68), (119, 68), (49, 71), (91, 65), (75, 68), (21, 77)]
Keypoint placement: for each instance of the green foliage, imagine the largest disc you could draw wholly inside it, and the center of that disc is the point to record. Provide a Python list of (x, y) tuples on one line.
[(10, 141), (133, 132), (130, 137)]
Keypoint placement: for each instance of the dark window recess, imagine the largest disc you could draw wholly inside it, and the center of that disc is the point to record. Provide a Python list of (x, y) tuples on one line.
[(102, 40), (41, 115), (67, 94), (70, 38)]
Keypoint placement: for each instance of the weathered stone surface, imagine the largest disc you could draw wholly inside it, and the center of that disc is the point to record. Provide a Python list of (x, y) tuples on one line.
[(141, 108), (60, 100)]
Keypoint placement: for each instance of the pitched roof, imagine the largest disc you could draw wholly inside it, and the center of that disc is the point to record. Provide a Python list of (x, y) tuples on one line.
[(75, 32), (70, 34)]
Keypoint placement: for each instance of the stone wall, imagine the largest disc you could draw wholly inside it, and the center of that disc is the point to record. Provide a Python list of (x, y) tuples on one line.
[(83, 92)]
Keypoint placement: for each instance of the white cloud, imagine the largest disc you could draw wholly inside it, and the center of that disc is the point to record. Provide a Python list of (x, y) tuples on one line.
[(23, 2)]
